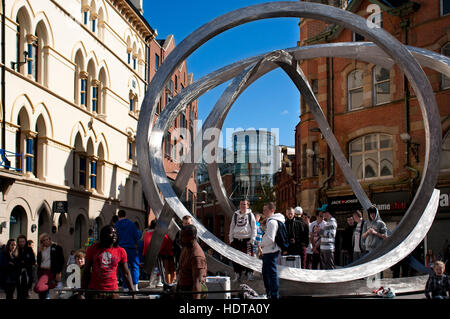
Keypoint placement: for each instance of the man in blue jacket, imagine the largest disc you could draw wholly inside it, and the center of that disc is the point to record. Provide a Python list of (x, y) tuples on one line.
[(129, 237)]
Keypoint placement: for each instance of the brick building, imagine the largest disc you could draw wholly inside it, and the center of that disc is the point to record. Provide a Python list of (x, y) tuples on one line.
[(284, 180), (372, 112)]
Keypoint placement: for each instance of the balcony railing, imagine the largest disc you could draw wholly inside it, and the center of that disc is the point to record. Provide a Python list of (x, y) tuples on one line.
[(11, 160)]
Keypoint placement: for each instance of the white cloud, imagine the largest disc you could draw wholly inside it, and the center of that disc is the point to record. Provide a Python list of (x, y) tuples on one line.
[(285, 112)]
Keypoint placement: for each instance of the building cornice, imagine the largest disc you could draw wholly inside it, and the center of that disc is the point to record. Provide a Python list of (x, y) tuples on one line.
[(137, 21)]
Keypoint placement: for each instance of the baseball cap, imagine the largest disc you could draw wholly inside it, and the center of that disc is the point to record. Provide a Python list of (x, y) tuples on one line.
[(298, 210)]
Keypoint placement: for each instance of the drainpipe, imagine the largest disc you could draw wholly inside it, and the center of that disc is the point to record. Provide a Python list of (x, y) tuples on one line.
[(330, 113), (3, 78), (405, 25)]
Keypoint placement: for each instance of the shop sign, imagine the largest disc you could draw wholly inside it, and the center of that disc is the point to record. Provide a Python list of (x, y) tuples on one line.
[(391, 201)]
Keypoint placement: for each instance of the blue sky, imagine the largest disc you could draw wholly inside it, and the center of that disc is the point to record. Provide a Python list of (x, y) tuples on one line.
[(272, 101)]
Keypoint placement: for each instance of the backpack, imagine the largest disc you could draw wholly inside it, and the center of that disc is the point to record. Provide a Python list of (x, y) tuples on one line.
[(281, 238)]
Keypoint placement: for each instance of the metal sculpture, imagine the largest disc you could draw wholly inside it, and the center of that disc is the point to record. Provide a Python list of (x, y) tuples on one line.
[(420, 214)]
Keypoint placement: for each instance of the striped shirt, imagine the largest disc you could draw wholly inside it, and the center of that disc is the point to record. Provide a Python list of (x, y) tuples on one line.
[(327, 234)]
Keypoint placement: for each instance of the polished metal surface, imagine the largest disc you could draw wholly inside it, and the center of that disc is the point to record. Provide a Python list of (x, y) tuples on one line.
[(413, 226)]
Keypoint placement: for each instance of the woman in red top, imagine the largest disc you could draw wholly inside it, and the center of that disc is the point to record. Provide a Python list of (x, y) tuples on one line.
[(102, 261), (165, 253)]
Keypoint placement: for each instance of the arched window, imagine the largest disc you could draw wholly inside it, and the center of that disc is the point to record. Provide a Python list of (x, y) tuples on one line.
[(80, 80), (91, 86), (23, 29), (381, 85), (355, 90), (371, 156), (38, 55), (445, 80), (79, 178), (445, 154)]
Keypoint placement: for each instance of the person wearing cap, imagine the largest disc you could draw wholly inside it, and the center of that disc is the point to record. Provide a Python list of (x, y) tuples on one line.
[(298, 212), (298, 232), (327, 235)]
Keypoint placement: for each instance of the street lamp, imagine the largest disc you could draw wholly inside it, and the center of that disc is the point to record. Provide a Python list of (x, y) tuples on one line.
[(414, 146), (19, 63)]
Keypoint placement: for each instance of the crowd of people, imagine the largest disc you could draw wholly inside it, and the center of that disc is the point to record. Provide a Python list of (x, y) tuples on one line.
[(117, 257), (313, 240)]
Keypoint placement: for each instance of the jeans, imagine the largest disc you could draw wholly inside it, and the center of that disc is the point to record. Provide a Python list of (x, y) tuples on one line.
[(326, 259), (270, 274), (133, 266), (246, 247)]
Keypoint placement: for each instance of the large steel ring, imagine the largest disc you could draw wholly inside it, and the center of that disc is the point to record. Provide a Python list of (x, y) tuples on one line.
[(403, 240)]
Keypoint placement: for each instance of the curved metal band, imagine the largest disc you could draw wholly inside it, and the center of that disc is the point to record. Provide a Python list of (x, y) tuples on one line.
[(406, 62), (172, 112)]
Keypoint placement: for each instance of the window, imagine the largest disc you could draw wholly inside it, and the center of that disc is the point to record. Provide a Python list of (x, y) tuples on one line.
[(381, 85), (33, 62), (156, 62), (445, 51), (131, 103), (85, 17), (315, 159), (183, 120), (371, 156), (130, 150), (445, 7), (82, 171), (357, 37), (94, 97), (304, 161), (93, 174), (18, 45), (83, 92), (176, 83), (445, 154), (134, 62), (355, 90), (93, 27), (167, 145), (30, 154), (129, 57)]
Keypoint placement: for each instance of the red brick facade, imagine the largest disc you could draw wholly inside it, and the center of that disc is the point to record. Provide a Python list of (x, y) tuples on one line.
[(423, 27)]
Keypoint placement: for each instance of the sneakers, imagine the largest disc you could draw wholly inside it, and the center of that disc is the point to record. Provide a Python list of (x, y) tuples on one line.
[(250, 276)]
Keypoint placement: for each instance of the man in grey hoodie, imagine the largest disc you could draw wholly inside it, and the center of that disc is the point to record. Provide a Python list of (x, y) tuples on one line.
[(374, 230), (271, 251), (242, 236)]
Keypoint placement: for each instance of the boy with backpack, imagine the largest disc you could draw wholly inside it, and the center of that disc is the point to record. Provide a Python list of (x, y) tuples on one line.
[(275, 239)]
